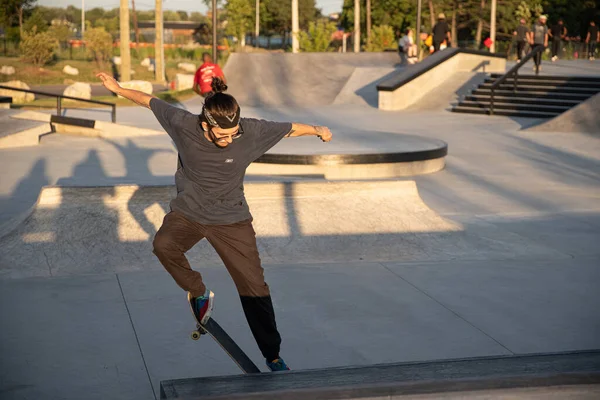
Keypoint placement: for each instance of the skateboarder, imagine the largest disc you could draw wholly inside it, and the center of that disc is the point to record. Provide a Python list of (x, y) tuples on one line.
[(215, 148), (538, 37)]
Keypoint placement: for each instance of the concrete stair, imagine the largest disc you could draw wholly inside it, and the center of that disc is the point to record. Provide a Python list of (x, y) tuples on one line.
[(535, 96)]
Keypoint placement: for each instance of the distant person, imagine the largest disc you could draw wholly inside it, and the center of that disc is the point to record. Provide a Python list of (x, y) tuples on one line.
[(440, 32), (592, 39), (538, 37), (205, 74), (521, 35), (558, 33), (408, 47)]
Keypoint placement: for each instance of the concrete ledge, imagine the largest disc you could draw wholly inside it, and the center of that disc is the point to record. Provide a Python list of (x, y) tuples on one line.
[(389, 155), (350, 171), (414, 83), (87, 127), (391, 381), (28, 137)]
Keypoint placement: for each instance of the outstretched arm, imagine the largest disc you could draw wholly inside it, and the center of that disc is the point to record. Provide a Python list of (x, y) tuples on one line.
[(136, 96), (322, 132)]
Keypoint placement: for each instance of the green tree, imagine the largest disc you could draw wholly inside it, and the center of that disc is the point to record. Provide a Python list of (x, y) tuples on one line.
[(382, 38), (15, 10), (398, 14), (172, 16), (198, 17), (35, 21), (98, 44), (276, 15), (240, 18), (37, 48), (318, 37), (110, 25), (62, 33)]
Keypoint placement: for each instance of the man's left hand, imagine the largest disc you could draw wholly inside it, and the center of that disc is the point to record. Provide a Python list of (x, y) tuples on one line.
[(323, 133)]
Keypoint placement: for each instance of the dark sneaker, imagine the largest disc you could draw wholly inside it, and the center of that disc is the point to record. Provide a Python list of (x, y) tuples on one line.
[(278, 365), (202, 305)]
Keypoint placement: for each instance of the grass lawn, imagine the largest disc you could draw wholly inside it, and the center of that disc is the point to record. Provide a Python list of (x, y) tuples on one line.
[(52, 73)]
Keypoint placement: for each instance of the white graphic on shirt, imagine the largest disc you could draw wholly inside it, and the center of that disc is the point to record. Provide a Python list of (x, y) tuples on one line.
[(229, 160)]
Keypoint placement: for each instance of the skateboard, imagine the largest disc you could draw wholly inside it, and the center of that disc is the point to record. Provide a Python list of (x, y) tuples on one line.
[(225, 341)]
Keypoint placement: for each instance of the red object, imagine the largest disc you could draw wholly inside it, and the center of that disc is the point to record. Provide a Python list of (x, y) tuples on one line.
[(205, 75), (487, 43)]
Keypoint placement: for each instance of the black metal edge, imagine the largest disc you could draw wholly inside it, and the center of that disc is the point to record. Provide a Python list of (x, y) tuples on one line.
[(346, 159), (550, 376), (82, 122), (409, 74), (417, 388), (6, 99)]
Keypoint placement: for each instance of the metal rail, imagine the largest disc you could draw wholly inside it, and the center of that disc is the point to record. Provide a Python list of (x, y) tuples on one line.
[(513, 71), (59, 97)]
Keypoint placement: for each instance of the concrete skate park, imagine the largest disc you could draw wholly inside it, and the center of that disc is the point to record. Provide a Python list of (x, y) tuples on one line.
[(423, 253)]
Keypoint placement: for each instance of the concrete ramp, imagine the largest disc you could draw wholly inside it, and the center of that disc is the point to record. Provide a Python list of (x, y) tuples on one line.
[(75, 230), (305, 79), (361, 87), (583, 118)]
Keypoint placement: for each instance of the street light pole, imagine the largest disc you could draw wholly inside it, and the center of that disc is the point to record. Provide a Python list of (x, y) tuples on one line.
[(124, 28), (214, 31), (159, 52), (357, 26), (493, 27), (82, 18), (257, 25), (418, 29), (295, 27)]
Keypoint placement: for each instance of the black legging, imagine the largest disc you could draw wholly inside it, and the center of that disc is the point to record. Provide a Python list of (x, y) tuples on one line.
[(592, 48), (521, 49), (538, 57), (555, 46)]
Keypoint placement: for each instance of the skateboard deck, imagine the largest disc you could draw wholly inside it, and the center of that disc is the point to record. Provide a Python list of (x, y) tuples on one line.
[(225, 341)]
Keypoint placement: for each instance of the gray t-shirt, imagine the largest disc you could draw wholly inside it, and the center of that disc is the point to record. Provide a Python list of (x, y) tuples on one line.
[(539, 33), (210, 180)]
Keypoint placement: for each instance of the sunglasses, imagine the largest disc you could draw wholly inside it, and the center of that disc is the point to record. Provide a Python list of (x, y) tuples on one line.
[(233, 136)]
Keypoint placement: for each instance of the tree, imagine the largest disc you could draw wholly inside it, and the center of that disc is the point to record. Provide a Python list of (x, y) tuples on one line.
[(37, 21), (240, 15), (398, 14), (37, 48), (276, 15), (61, 33), (382, 38), (98, 44), (318, 37), (12, 10), (529, 10)]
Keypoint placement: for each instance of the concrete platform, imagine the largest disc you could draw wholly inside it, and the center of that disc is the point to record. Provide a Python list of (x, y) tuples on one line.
[(396, 381), (17, 133), (387, 155)]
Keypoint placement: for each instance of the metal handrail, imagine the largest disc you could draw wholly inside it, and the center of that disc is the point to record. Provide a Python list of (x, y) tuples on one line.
[(513, 71), (59, 97)]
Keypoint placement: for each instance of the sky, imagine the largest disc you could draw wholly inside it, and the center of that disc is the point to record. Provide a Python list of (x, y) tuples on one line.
[(328, 6)]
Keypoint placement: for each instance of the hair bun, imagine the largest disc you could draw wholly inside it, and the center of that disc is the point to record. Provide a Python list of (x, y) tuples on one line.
[(217, 85)]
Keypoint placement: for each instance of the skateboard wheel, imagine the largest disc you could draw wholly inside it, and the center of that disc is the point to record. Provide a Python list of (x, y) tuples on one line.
[(195, 335)]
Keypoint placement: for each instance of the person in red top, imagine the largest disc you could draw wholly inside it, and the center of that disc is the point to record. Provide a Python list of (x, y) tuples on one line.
[(205, 74)]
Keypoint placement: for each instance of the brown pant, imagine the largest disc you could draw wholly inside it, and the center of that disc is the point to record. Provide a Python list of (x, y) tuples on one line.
[(236, 245)]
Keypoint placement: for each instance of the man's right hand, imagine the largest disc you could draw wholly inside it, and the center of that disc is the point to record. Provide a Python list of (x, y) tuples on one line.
[(109, 82)]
